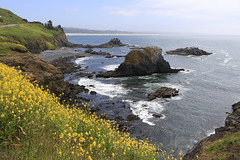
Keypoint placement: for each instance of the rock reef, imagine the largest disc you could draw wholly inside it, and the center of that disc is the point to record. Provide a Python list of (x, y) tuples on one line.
[(142, 62), (115, 42), (163, 92), (188, 51)]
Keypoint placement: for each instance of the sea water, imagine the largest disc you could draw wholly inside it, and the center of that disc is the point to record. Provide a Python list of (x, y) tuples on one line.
[(207, 88)]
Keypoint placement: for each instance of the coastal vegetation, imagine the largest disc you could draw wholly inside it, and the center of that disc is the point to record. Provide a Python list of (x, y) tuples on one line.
[(22, 36), (220, 149), (34, 125), (7, 17)]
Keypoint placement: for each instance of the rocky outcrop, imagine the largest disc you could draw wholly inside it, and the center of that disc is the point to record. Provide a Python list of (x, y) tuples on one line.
[(38, 69), (45, 74), (141, 62), (66, 65), (91, 51), (163, 92), (232, 125), (188, 51), (115, 42)]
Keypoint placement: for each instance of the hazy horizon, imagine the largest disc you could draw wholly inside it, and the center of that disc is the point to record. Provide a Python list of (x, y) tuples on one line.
[(172, 16)]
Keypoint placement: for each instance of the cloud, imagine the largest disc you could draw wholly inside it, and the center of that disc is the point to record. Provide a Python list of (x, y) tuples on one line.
[(71, 10)]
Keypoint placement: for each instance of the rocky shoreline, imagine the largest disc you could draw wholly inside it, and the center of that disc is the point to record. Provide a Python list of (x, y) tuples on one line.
[(66, 65), (232, 125)]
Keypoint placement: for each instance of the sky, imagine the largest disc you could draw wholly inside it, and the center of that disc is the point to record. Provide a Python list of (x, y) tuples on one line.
[(164, 16)]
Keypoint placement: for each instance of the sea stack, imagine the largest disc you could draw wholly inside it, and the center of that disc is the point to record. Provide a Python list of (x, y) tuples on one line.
[(142, 62)]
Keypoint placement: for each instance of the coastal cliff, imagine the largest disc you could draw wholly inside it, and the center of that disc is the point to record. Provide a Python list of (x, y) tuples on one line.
[(20, 39), (57, 41), (19, 35), (224, 144)]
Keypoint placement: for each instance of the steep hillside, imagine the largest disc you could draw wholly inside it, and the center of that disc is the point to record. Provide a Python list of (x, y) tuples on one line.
[(7, 17), (27, 37)]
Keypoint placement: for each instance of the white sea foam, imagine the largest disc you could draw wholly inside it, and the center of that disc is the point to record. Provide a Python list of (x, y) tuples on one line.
[(110, 90), (186, 71), (145, 110), (82, 60), (210, 132), (110, 67), (227, 57)]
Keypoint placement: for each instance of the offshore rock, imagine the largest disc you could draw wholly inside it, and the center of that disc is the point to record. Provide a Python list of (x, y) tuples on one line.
[(163, 92), (115, 42), (188, 51), (157, 115), (142, 62)]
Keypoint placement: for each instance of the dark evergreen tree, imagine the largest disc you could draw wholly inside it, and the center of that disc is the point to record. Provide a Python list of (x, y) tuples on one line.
[(49, 25)]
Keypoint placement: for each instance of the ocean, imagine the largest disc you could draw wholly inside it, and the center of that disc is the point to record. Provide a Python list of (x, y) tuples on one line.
[(207, 88)]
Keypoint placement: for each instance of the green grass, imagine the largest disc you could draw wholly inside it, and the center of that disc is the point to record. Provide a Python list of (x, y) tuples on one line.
[(7, 17), (33, 36), (28, 35), (26, 32), (224, 147)]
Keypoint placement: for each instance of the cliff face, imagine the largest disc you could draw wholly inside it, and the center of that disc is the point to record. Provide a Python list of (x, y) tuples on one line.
[(38, 45), (38, 69), (224, 144)]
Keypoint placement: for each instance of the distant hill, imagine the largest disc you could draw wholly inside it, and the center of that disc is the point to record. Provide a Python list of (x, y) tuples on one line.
[(88, 31)]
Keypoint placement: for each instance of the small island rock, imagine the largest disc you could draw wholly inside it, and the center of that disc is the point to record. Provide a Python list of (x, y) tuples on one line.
[(188, 51), (163, 92)]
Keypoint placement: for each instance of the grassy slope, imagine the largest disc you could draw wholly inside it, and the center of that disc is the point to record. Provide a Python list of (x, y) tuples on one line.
[(16, 38), (223, 148), (7, 17), (34, 125)]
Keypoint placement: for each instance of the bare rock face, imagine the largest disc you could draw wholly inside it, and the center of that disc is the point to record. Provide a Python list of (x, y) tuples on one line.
[(38, 69), (188, 51), (163, 92), (142, 62)]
